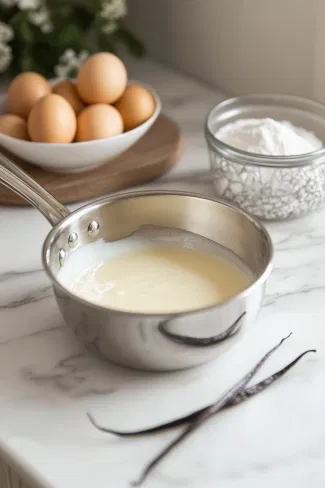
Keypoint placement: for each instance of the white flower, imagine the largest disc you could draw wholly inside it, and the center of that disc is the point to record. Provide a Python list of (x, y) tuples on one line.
[(29, 4), (6, 33), (46, 27), (68, 55), (69, 63), (61, 71), (5, 57), (41, 18), (110, 27), (111, 11)]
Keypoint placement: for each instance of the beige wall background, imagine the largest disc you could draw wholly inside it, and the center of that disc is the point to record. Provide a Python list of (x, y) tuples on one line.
[(241, 46)]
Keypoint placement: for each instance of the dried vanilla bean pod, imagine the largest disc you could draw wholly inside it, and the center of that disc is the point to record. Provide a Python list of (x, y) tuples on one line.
[(206, 414), (239, 398), (237, 394)]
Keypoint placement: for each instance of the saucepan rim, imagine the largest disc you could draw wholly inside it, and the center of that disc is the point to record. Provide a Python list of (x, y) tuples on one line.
[(263, 276)]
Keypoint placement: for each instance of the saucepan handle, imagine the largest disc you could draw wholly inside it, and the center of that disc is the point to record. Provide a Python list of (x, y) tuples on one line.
[(14, 178)]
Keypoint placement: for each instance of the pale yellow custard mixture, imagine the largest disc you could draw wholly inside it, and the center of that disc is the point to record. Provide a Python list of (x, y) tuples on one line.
[(143, 274)]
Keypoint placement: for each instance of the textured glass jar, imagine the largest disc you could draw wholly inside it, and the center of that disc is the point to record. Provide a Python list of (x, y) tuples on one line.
[(270, 187)]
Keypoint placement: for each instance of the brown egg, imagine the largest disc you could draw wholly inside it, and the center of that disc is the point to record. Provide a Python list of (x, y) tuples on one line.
[(68, 90), (102, 79), (52, 119), (24, 91), (14, 126), (136, 106), (98, 121)]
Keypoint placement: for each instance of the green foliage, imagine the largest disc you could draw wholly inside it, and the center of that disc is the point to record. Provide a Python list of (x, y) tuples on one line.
[(74, 24)]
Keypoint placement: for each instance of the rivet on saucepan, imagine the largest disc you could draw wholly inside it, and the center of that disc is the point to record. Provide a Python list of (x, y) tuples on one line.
[(61, 256), (73, 239), (93, 228)]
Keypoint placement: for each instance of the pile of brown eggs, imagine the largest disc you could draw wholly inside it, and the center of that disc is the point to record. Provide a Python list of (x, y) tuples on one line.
[(98, 105)]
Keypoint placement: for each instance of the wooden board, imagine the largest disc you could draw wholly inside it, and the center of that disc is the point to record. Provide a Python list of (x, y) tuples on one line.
[(155, 154)]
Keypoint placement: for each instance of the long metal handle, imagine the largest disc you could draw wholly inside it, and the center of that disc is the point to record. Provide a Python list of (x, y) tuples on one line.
[(21, 183)]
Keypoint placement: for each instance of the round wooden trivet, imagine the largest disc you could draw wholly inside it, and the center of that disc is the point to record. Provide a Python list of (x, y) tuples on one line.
[(155, 154)]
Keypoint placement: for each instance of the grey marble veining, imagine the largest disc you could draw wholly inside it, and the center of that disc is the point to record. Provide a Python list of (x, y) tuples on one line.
[(48, 382)]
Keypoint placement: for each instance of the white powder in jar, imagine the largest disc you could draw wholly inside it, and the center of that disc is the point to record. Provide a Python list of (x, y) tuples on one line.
[(268, 137)]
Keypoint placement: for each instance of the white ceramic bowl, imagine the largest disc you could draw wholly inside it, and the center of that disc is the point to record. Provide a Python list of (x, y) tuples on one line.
[(78, 156)]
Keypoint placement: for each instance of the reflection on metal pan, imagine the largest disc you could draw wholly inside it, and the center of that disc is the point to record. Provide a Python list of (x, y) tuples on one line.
[(201, 341)]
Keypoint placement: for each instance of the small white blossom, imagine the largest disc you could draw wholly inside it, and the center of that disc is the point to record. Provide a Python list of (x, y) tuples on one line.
[(6, 33), (111, 11), (41, 18), (67, 56), (62, 72), (109, 27), (69, 63), (46, 27), (5, 57), (29, 4)]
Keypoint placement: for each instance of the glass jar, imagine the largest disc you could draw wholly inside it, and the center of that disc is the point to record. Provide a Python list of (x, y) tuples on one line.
[(270, 187)]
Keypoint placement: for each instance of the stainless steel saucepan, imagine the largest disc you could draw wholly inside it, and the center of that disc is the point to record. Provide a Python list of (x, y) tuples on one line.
[(149, 341)]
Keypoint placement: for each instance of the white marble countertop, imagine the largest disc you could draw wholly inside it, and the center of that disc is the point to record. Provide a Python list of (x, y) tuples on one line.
[(48, 382)]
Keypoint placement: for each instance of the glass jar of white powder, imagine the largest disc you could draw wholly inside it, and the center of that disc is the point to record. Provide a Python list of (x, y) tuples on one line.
[(267, 154)]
